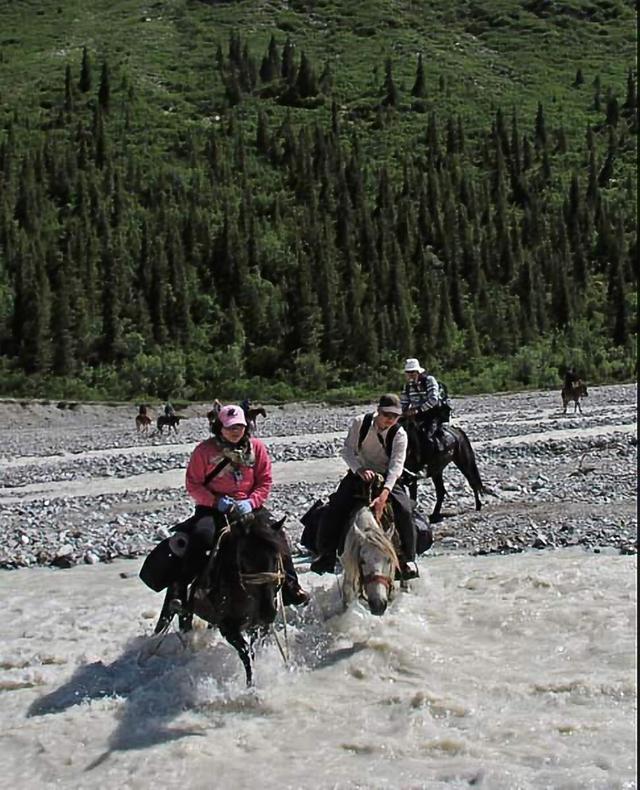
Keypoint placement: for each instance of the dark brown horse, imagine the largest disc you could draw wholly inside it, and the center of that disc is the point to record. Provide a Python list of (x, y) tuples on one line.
[(421, 455), (170, 421), (143, 421), (252, 416), (577, 390), (236, 591)]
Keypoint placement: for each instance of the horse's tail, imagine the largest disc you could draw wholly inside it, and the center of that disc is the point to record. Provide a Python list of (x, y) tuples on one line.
[(466, 460)]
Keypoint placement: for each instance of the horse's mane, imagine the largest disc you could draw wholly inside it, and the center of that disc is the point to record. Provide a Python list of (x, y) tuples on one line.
[(258, 532), (365, 527)]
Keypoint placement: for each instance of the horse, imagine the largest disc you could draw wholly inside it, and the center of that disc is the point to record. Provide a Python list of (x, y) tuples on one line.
[(252, 415), (143, 422), (421, 454), (170, 421), (577, 390), (236, 591), (369, 560), (370, 554)]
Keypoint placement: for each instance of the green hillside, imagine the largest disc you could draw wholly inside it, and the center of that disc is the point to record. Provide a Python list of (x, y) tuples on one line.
[(286, 198)]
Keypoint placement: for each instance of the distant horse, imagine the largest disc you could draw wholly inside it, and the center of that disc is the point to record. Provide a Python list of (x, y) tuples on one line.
[(171, 421), (236, 591), (577, 390), (369, 560), (252, 416), (421, 455), (143, 422)]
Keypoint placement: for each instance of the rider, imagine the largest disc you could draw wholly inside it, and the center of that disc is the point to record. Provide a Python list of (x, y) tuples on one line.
[(421, 397), (229, 474), (245, 405), (367, 456), (570, 378), (142, 410), (169, 411)]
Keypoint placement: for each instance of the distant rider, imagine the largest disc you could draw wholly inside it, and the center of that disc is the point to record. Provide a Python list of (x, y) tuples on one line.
[(421, 398)]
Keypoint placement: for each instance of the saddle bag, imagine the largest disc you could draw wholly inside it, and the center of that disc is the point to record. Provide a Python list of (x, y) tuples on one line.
[(164, 563), (424, 532), (311, 520)]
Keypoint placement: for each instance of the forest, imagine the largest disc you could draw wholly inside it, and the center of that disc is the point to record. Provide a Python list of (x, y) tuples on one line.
[(279, 200)]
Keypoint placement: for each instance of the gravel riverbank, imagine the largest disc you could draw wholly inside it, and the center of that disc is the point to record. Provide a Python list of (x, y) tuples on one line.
[(78, 484)]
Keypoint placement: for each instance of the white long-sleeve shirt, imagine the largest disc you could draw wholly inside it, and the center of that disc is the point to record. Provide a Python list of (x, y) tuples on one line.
[(372, 453)]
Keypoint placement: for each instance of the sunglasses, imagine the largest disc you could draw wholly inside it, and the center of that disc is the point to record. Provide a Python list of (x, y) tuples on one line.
[(390, 415)]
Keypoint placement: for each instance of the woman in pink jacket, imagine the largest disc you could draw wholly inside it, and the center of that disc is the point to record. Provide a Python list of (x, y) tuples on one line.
[(229, 475)]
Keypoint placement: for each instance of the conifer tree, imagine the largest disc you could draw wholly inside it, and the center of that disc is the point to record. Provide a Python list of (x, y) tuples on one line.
[(288, 69), (85, 81), (104, 92), (325, 83), (540, 131), (419, 89), (306, 82), (69, 103), (613, 111), (391, 95), (61, 326)]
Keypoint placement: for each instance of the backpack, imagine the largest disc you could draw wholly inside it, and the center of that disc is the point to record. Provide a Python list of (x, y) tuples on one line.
[(364, 429)]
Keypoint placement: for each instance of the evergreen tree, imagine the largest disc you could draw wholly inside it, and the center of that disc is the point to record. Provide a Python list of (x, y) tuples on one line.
[(306, 81), (104, 92), (69, 99), (613, 111), (540, 131), (84, 83), (288, 69), (391, 96), (419, 89)]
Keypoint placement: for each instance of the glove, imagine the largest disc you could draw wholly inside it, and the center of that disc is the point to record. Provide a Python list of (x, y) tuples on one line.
[(225, 504), (243, 507)]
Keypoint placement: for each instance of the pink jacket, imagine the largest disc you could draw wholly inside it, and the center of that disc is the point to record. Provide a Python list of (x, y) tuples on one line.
[(254, 483)]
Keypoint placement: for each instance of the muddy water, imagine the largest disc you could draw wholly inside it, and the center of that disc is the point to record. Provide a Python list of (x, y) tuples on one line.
[(498, 672)]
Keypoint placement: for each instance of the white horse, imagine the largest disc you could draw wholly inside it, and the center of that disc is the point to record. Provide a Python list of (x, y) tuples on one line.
[(369, 561)]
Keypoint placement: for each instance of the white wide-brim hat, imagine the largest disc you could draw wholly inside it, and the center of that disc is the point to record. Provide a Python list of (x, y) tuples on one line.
[(413, 366)]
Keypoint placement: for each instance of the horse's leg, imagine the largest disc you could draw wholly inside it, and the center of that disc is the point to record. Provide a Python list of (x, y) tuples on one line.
[(412, 488), (235, 638), (166, 613), (464, 458), (438, 482)]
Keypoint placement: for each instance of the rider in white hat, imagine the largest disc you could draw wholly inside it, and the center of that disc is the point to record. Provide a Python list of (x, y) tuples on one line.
[(421, 396)]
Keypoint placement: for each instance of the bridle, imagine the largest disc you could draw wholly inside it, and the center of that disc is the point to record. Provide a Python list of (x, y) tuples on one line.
[(372, 578)]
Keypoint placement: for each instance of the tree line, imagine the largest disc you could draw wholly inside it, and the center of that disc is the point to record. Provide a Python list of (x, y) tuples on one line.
[(268, 247)]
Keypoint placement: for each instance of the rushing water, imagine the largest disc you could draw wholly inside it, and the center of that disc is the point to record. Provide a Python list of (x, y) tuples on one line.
[(496, 672)]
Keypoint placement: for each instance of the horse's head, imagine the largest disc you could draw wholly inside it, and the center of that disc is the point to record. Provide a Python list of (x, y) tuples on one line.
[(254, 561), (369, 561)]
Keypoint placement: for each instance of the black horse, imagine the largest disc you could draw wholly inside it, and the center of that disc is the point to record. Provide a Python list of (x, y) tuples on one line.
[(236, 591), (421, 454), (170, 421)]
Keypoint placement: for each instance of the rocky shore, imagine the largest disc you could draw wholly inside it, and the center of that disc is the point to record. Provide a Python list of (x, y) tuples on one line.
[(79, 485)]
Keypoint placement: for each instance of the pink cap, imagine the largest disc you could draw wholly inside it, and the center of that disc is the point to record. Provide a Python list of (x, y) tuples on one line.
[(231, 415)]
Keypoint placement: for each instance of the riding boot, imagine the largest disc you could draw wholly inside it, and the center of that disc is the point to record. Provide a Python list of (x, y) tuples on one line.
[(292, 592), (408, 570)]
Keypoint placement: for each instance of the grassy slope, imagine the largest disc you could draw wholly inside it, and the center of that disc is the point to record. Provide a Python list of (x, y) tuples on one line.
[(489, 52)]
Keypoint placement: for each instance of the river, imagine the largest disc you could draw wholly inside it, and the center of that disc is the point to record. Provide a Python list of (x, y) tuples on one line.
[(506, 672)]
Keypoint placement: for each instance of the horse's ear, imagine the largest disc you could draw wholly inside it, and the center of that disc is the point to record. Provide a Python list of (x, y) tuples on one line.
[(277, 525)]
